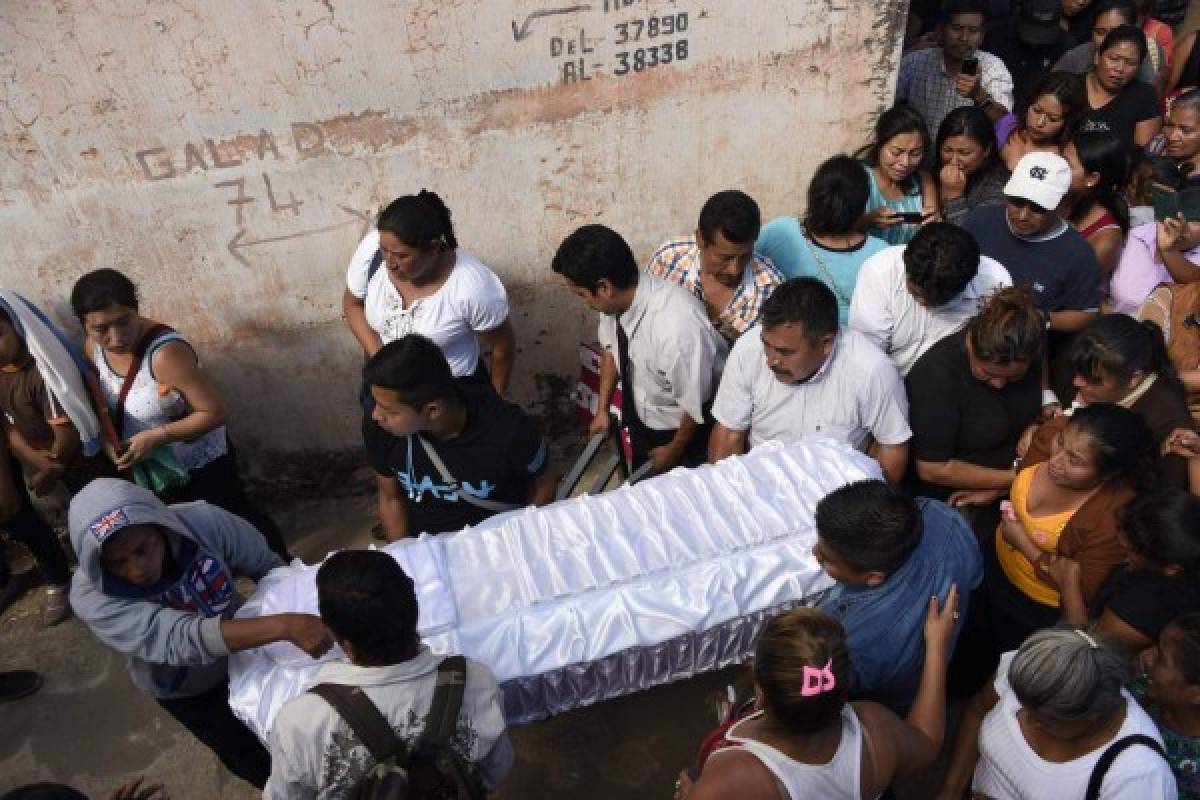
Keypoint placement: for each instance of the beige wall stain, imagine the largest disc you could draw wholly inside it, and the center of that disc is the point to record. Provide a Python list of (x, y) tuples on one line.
[(229, 155)]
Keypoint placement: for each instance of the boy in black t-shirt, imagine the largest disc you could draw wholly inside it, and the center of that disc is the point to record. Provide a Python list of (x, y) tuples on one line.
[(447, 452)]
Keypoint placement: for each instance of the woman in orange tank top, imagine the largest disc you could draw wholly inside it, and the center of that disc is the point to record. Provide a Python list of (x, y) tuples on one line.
[(1064, 509)]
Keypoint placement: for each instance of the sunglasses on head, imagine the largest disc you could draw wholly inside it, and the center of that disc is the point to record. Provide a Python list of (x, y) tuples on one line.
[(1021, 202)]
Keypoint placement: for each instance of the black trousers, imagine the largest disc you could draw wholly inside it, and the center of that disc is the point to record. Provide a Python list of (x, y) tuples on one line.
[(30, 530), (209, 719), (218, 482), (644, 439), (1000, 617)]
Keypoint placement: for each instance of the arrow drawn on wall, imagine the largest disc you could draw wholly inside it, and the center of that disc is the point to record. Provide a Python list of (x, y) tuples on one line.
[(522, 32), (239, 241)]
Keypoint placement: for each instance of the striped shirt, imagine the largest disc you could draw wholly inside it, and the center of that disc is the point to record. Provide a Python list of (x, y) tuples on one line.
[(678, 261)]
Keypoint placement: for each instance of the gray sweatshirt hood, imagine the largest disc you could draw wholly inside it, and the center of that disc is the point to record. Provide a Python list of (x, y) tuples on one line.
[(108, 505)]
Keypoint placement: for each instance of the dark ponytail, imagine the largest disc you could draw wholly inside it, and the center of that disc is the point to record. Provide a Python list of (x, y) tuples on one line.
[(1121, 441), (1107, 156), (1119, 345), (420, 220)]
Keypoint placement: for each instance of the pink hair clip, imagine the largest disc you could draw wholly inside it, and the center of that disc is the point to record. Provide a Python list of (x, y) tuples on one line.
[(816, 680)]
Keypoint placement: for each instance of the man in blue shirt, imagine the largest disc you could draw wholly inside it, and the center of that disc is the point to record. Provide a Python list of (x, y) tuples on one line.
[(889, 555)]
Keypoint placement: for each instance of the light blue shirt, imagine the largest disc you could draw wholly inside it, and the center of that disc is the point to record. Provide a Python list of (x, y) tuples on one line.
[(885, 624), (782, 240), (911, 201)]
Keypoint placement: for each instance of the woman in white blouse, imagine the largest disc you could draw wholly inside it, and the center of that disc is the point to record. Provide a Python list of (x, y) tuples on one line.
[(1039, 730), (428, 285)]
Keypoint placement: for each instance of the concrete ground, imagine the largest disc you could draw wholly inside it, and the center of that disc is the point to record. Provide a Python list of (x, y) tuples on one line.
[(91, 728)]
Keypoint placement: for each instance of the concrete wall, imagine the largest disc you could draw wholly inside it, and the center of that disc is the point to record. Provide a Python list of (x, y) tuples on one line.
[(228, 155)]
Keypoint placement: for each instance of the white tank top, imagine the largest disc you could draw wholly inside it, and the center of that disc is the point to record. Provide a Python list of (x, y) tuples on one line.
[(145, 408), (838, 779)]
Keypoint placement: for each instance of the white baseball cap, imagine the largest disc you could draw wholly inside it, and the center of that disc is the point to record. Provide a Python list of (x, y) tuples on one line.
[(1041, 178)]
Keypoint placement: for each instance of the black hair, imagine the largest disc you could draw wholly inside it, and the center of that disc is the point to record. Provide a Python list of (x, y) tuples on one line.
[(102, 289), (732, 213), (416, 368), (420, 220), (1123, 34), (870, 525), (1119, 345), (837, 195), (1187, 647), (1122, 443), (971, 122), (1163, 527), (939, 262), (1106, 155), (805, 302), (4, 317), (1067, 89), (954, 8), (1147, 170), (44, 791), (1008, 328), (896, 121), (1104, 6), (366, 599), (594, 253)]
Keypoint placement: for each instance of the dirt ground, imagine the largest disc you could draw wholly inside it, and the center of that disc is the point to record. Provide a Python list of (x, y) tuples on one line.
[(91, 728)]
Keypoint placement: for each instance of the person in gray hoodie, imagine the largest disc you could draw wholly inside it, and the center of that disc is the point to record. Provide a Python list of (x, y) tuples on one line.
[(156, 582)]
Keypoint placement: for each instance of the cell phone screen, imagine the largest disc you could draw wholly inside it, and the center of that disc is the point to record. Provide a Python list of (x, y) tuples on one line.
[(970, 66), (912, 217)]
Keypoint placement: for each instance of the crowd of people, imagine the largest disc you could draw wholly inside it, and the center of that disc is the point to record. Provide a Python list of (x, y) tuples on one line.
[(994, 299)]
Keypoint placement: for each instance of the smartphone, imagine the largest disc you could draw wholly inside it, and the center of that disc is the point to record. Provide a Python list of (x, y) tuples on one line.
[(970, 66), (911, 217)]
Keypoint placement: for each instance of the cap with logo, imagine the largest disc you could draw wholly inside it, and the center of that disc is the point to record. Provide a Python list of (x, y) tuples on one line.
[(1041, 178), (1037, 23)]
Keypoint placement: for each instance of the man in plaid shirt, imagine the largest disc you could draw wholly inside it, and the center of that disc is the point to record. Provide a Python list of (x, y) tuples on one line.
[(718, 263), (935, 80)]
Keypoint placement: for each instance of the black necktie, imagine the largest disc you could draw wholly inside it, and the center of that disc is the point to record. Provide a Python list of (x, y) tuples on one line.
[(628, 410)]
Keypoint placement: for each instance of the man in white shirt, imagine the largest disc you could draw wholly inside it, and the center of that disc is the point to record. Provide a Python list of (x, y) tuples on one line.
[(369, 604), (799, 376), (656, 338), (909, 297)]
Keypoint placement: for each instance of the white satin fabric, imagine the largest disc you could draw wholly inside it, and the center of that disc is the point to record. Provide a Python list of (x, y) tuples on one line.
[(597, 596)]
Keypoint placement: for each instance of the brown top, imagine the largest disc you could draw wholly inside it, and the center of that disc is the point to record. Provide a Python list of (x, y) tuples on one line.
[(1184, 344), (1163, 409), (1091, 535), (1175, 307), (28, 406)]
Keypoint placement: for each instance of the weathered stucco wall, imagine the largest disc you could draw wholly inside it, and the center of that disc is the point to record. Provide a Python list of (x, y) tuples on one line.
[(228, 155)]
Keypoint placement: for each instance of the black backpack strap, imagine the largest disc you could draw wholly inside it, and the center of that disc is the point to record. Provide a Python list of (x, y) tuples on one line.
[(368, 724), (1110, 755), (376, 262), (442, 722)]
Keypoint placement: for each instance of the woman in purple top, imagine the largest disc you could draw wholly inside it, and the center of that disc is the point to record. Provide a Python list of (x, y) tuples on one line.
[(1046, 123), (1160, 252)]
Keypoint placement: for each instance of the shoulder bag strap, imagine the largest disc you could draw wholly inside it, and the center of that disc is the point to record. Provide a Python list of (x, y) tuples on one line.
[(135, 365), (452, 482), (368, 724), (373, 267), (1110, 755), (442, 722)]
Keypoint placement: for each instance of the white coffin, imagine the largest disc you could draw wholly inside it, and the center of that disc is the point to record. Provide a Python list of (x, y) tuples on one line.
[(599, 596)]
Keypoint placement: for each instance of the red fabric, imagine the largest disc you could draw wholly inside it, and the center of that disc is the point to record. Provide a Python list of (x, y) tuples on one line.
[(1107, 220), (1161, 33)]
